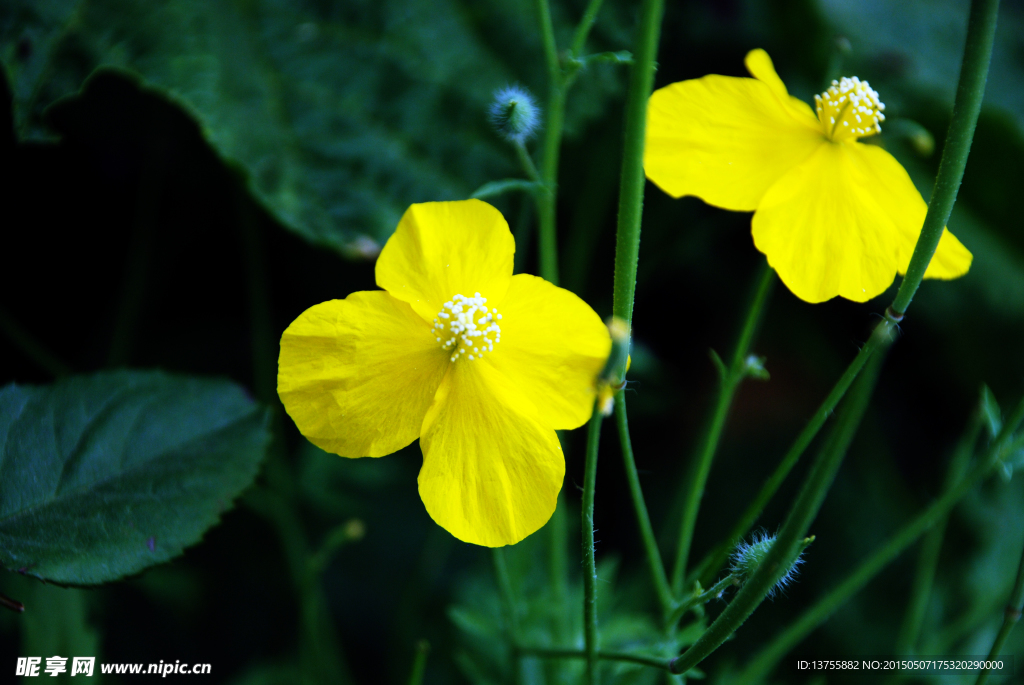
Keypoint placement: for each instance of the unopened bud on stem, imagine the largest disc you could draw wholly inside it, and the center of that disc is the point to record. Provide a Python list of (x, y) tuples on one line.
[(514, 114)]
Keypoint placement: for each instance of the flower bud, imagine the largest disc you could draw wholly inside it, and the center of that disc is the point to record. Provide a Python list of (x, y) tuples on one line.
[(747, 557), (514, 114)]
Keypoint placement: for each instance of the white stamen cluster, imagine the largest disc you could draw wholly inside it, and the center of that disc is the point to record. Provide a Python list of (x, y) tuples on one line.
[(850, 108), (467, 327)]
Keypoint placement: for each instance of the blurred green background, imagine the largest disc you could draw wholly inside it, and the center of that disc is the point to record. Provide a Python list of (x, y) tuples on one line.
[(181, 179)]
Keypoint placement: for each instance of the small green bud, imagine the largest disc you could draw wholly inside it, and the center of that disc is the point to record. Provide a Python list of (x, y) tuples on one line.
[(747, 557), (514, 114)]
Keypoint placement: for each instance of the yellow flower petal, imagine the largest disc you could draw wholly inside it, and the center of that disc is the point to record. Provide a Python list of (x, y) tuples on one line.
[(760, 66), (443, 249), (726, 139), (844, 222), (491, 474), (357, 375), (553, 346), (825, 232), (951, 259)]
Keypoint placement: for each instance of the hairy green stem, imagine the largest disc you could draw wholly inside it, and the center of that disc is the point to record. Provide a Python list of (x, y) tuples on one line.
[(931, 546), (729, 383), (761, 665), (1011, 616), (981, 29), (657, 568), (787, 544), (590, 635), (556, 653), (631, 182)]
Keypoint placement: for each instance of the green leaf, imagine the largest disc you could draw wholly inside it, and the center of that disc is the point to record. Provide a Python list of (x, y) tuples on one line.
[(493, 188), (341, 114), (104, 475)]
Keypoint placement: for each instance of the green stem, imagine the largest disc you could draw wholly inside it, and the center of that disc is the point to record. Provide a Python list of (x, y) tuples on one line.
[(931, 546), (547, 202), (579, 38), (1011, 615), (729, 383), (590, 636), (419, 665), (714, 561), (643, 520), (814, 616), (702, 598), (555, 653), (631, 181), (526, 162), (787, 544), (981, 28)]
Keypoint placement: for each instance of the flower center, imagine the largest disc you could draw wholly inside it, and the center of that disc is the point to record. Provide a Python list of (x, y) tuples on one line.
[(465, 326), (850, 108)]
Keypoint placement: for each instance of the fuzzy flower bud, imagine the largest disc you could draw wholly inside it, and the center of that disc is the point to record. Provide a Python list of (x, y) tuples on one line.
[(747, 557), (514, 114)]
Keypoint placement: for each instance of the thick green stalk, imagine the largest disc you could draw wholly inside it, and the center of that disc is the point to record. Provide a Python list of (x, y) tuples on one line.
[(787, 544), (631, 182), (590, 636), (547, 202), (1011, 615), (931, 546), (814, 616), (728, 383), (555, 653), (981, 29), (643, 520)]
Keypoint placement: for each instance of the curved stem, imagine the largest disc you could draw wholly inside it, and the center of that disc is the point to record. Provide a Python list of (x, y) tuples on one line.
[(729, 382), (590, 637), (981, 29), (643, 520), (801, 514)]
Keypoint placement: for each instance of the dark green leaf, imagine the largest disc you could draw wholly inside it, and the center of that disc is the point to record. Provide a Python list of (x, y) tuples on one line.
[(342, 114), (104, 475)]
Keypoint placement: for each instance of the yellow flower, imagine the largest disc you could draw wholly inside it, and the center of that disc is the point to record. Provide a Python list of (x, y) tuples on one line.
[(480, 365), (833, 215)]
